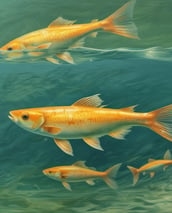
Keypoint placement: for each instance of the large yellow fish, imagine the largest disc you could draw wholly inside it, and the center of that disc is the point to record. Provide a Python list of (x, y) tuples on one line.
[(89, 120), (151, 167), (62, 35), (79, 172)]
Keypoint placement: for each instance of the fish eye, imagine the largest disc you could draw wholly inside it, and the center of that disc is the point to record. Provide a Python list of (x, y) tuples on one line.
[(9, 48), (25, 117)]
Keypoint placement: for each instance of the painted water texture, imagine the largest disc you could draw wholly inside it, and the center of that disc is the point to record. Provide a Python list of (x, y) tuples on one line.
[(124, 71)]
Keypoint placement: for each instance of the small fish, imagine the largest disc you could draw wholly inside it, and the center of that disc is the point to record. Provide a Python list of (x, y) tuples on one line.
[(79, 172), (62, 35), (88, 119), (151, 167)]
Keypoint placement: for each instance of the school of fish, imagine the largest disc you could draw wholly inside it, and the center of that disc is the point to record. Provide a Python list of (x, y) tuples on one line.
[(86, 118)]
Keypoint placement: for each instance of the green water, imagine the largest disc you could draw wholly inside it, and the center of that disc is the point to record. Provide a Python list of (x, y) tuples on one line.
[(123, 77)]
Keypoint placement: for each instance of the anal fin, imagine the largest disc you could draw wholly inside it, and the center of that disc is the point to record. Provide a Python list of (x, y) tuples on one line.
[(64, 145), (90, 182), (65, 57), (165, 167), (120, 133), (93, 35)]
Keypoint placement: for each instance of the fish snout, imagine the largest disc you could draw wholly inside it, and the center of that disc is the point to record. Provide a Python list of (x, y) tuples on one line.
[(12, 117), (45, 172)]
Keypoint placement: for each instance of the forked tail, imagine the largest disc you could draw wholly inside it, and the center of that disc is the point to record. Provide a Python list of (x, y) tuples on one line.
[(110, 174), (135, 173), (121, 22), (161, 121)]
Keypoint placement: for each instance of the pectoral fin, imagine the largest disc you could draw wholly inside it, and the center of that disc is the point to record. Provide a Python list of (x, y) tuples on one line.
[(67, 186), (64, 145), (51, 130), (151, 160), (120, 133), (152, 174), (52, 60), (93, 142), (165, 167)]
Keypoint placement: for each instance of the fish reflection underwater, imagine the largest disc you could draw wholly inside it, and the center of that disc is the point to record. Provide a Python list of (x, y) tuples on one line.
[(79, 172), (151, 167), (52, 43), (88, 119)]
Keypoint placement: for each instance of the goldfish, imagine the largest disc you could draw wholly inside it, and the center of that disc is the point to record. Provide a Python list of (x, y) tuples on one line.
[(88, 119), (79, 172), (52, 43), (151, 167)]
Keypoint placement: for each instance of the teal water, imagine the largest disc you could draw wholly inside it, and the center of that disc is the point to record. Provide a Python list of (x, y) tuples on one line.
[(124, 71)]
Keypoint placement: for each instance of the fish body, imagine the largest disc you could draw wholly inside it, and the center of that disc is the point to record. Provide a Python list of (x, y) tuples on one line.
[(79, 172), (154, 165), (62, 35), (151, 167), (72, 122), (89, 120)]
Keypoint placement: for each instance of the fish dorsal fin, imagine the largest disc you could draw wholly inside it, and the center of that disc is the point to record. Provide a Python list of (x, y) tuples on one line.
[(94, 20), (120, 133), (80, 164), (60, 22), (151, 160), (91, 101), (167, 155), (129, 109)]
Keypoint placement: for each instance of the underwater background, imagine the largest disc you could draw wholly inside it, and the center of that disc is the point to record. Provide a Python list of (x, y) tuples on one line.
[(124, 71)]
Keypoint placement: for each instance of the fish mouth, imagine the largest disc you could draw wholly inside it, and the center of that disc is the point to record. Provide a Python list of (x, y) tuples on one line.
[(12, 117), (44, 172)]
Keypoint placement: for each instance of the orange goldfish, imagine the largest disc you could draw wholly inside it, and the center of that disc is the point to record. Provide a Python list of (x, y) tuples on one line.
[(79, 172), (151, 167), (62, 35), (89, 120)]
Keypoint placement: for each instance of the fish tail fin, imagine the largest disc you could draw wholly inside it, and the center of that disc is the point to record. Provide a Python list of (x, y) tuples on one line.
[(161, 121), (110, 174), (135, 173), (120, 22)]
